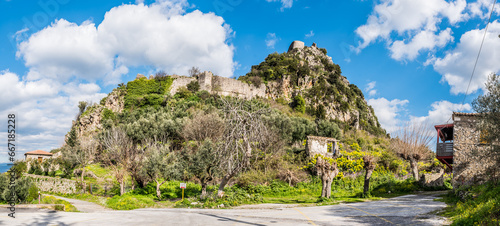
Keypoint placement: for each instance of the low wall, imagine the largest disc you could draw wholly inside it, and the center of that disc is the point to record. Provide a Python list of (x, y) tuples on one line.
[(54, 184)]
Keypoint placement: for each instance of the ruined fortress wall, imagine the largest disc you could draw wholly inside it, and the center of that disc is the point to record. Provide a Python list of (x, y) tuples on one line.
[(179, 82), (231, 87), (220, 85), (473, 162)]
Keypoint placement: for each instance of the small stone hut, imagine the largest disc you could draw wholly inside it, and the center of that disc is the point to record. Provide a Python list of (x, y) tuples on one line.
[(319, 145), (462, 148), (37, 154), (474, 160)]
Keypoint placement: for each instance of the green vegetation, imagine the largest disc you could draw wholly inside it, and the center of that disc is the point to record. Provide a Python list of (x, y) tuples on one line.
[(147, 92), (130, 202), (25, 189), (52, 200), (299, 104), (476, 205)]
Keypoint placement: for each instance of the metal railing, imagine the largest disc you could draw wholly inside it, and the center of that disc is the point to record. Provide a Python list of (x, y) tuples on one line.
[(444, 149)]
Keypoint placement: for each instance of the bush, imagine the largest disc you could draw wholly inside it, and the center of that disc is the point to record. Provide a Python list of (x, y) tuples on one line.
[(193, 86), (183, 92), (299, 104), (255, 80)]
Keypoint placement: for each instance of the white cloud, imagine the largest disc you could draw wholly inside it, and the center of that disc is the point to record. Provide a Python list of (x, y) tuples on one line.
[(425, 40), (387, 112), (285, 4), (44, 109), (271, 40), (482, 8), (440, 113), (67, 60), (310, 34), (160, 35), (457, 65), (370, 88), (409, 18)]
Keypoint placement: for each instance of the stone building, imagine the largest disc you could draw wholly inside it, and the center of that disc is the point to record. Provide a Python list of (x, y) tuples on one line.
[(460, 146), (319, 145), (37, 154)]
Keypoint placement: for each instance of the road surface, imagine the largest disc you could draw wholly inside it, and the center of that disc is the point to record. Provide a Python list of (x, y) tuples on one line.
[(404, 210)]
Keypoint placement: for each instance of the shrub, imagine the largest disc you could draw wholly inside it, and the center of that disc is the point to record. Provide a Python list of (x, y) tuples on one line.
[(255, 80), (183, 92), (193, 86), (299, 104)]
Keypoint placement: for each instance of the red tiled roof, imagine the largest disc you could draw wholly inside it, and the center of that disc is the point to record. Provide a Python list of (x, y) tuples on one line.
[(38, 152)]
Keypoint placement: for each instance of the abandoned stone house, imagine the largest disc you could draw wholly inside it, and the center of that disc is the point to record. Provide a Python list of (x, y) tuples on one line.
[(38, 155), (319, 145), (462, 147)]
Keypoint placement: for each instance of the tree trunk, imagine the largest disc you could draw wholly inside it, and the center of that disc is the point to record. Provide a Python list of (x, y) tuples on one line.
[(158, 192), (203, 190), (223, 183), (366, 188), (83, 185), (414, 169), (122, 188)]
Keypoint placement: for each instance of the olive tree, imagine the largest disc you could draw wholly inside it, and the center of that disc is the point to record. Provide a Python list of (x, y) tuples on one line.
[(201, 157), (489, 105), (160, 164)]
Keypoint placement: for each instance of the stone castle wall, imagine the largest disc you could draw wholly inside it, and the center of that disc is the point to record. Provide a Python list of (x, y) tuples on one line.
[(220, 85), (473, 162)]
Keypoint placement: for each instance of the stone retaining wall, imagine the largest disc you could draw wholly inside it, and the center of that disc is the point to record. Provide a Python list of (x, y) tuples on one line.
[(54, 184)]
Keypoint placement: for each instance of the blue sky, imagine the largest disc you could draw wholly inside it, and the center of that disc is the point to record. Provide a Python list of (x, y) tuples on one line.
[(412, 59)]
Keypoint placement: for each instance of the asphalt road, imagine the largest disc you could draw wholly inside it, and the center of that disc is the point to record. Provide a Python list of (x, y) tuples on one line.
[(403, 210)]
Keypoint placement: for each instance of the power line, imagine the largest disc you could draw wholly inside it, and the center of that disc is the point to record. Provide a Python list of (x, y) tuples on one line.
[(477, 58)]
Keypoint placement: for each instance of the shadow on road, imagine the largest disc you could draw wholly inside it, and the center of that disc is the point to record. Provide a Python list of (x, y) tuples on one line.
[(230, 219), (50, 218)]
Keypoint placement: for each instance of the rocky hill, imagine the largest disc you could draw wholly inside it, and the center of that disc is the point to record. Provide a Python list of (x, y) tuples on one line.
[(304, 78), (308, 73)]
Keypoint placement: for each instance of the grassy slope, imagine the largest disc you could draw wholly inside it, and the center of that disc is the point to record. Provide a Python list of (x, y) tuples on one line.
[(479, 205)]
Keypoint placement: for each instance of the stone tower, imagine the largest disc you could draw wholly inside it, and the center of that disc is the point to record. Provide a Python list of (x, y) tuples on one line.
[(296, 45)]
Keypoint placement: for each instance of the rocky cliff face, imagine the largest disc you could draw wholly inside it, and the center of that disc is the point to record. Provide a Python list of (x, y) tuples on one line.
[(308, 72)]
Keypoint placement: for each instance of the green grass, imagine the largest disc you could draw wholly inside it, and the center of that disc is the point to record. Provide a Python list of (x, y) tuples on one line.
[(477, 205), (130, 202), (52, 200), (87, 197), (99, 171)]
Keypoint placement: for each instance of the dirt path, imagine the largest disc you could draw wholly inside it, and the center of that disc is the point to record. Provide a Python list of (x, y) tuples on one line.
[(84, 206)]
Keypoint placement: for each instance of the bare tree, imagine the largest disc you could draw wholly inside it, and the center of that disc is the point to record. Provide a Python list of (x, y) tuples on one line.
[(204, 126), (119, 153), (194, 71), (370, 162), (86, 153), (327, 169), (411, 143), (244, 131)]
